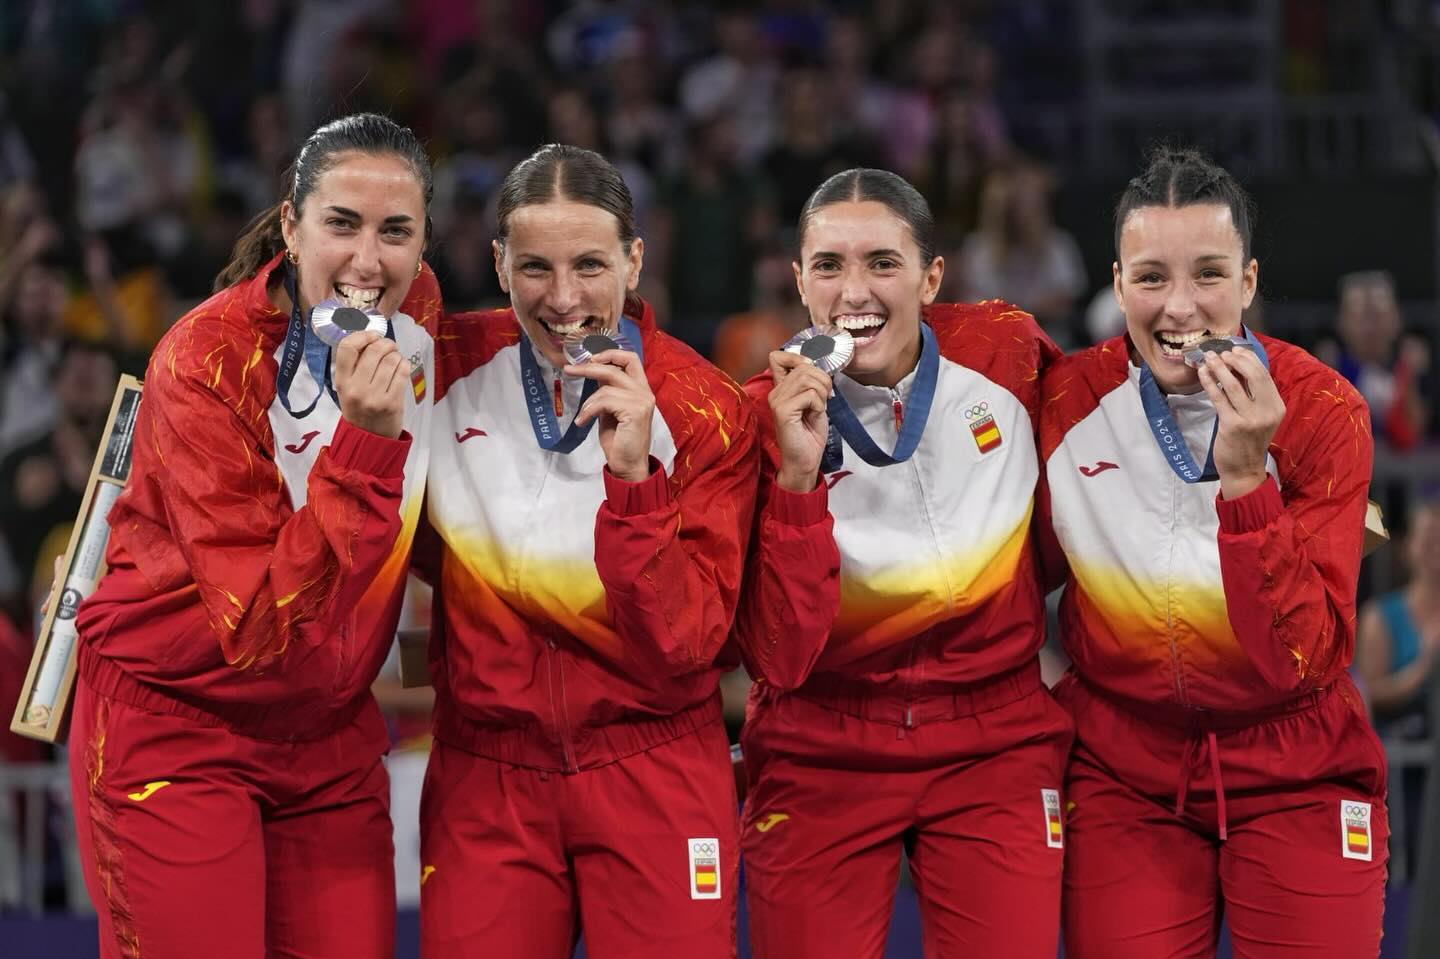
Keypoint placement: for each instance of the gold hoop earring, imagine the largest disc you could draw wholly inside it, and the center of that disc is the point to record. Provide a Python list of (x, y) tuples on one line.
[(293, 257), (419, 267)]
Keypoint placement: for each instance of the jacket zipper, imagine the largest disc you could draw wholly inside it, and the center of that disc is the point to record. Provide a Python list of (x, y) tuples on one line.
[(1175, 663), (898, 408), (555, 671)]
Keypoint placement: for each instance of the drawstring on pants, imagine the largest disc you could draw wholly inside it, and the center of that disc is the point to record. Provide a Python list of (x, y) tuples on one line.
[(1191, 758)]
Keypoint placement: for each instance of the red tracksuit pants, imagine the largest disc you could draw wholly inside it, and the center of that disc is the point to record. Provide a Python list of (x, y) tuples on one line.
[(1276, 819), (971, 792), (640, 854), (198, 841)]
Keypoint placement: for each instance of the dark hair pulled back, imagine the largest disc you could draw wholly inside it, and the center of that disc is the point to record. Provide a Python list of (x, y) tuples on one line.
[(862, 184), (368, 133)]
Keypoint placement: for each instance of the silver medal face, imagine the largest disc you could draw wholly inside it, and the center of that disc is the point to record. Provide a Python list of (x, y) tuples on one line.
[(1215, 344), (582, 347), (332, 321), (828, 347)]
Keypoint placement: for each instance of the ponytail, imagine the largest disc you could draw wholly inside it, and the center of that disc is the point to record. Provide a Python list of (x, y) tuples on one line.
[(259, 243)]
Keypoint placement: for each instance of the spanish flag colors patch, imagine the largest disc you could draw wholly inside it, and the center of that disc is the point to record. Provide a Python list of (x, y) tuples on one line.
[(1355, 836)]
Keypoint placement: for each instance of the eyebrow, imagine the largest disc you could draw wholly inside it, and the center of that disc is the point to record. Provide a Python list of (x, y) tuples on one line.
[(395, 218), (824, 254), (588, 254), (1207, 258)]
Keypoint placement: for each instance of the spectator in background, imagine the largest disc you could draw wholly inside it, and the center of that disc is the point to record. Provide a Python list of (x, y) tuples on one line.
[(739, 81), (876, 111), (1397, 646), (142, 163), (1019, 255), (711, 218), (462, 260), (268, 149), (128, 301), (476, 156), (1397, 643), (15, 651), (191, 274), (30, 349), (1388, 368), (17, 166), (744, 340), (42, 482), (639, 127), (965, 149), (571, 117), (809, 148)]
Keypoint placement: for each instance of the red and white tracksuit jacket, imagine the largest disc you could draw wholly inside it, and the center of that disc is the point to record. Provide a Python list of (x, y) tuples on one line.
[(891, 619), (899, 582), (581, 618), (1222, 753), (1177, 596), (257, 561)]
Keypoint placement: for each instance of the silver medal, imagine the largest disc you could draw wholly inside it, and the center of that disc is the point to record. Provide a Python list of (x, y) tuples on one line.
[(1215, 344), (582, 347), (333, 320), (828, 347)]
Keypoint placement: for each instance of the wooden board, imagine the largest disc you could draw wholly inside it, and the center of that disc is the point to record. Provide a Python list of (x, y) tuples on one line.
[(44, 707)]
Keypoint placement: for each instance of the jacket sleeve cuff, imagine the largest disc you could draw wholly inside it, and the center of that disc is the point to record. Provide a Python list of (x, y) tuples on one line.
[(1251, 512), (635, 499), (798, 509), (360, 450)]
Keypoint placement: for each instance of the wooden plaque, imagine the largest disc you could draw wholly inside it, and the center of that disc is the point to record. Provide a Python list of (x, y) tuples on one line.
[(43, 710)]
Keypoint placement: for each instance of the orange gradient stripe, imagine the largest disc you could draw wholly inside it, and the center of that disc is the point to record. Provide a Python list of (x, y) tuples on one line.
[(1137, 618), (893, 607), (392, 572), (563, 592)]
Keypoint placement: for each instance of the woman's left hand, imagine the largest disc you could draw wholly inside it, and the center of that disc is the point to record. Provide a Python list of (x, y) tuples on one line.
[(624, 406), (1250, 410)]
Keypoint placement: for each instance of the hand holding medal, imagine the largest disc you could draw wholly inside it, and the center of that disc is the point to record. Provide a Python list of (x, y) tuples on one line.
[(371, 380), (1248, 411), (802, 370), (623, 404)]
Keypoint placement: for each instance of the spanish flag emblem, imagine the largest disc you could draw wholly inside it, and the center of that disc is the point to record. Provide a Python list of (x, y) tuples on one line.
[(704, 868), (1355, 841), (417, 378), (986, 432), (1054, 837)]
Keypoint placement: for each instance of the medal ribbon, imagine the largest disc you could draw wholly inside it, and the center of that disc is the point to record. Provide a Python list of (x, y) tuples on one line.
[(844, 424)]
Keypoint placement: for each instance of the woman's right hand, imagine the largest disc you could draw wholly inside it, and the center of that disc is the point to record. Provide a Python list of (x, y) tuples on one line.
[(371, 378), (802, 425)]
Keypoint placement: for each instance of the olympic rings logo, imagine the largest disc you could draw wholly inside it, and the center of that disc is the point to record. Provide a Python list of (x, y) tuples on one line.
[(703, 848), (1358, 812), (979, 409)]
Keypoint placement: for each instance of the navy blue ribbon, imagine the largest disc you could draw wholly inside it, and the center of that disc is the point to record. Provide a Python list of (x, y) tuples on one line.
[(844, 424), (1167, 432), (301, 343), (537, 395)]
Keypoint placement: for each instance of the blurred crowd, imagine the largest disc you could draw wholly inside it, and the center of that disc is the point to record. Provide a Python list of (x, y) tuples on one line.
[(138, 137)]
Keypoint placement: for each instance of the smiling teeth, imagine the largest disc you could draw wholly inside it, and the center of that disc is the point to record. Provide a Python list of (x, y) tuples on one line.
[(564, 329), (1171, 345), (357, 298), (862, 321)]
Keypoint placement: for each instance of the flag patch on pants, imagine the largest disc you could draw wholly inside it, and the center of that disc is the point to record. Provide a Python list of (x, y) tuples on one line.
[(704, 868), (1054, 833), (1355, 830)]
